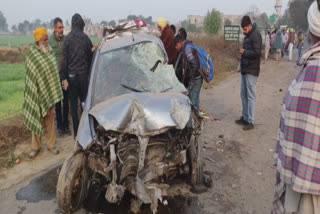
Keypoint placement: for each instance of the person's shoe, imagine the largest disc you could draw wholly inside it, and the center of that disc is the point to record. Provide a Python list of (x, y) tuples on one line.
[(60, 132), (249, 126), (67, 131), (54, 150), (241, 121), (34, 153)]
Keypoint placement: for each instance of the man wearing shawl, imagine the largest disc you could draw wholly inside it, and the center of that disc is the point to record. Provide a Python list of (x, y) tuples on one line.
[(42, 92), (167, 37), (297, 156)]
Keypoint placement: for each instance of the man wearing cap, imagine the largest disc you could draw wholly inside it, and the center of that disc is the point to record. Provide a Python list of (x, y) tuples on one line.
[(167, 37), (42, 92), (297, 156)]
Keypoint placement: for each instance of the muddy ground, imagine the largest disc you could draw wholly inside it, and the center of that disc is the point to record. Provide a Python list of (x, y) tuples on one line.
[(241, 162)]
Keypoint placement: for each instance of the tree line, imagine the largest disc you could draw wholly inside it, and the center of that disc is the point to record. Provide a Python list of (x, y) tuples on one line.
[(296, 14)]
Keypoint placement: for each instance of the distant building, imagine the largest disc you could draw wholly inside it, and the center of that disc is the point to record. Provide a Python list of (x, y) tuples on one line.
[(278, 8), (196, 20), (234, 19)]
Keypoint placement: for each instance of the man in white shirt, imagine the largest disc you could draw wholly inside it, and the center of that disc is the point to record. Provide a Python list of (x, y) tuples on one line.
[(284, 37)]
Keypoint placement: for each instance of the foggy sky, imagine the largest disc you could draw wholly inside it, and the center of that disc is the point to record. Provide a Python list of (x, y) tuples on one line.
[(174, 10)]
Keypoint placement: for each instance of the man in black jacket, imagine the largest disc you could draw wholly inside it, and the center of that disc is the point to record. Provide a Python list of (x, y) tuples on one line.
[(77, 56), (250, 68), (187, 68)]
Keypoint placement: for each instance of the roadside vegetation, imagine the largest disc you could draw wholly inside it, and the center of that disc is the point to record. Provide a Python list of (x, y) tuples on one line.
[(11, 90), (16, 41), (224, 55)]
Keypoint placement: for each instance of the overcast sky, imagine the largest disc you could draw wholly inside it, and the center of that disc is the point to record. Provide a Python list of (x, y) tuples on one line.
[(174, 10)]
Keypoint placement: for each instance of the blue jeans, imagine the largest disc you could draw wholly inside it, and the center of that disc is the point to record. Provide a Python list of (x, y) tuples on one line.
[(299, 51), (194, 93), (283, 49), (248, 96)]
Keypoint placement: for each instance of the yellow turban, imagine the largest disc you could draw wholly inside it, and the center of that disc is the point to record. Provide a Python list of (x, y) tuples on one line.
[(162, 22), (292, 30), (39, 33)]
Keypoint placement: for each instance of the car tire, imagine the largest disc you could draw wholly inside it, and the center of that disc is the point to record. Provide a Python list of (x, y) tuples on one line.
[(196, 161), (72, 184)]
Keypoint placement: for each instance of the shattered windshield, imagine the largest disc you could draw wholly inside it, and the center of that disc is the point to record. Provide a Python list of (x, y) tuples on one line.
[(128, 69)]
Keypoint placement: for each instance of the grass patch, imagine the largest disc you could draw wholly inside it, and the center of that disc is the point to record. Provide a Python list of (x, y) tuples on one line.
[(95, 40), (12, 72), (11, 90), (15, 41)]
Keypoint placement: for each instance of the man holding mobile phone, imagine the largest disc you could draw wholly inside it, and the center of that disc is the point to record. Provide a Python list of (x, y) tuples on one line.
[(250, 69)]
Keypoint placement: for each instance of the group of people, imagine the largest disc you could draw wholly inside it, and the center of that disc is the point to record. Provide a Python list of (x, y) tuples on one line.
[(279, 42), (60, 71), (57, 71), (57, 76), (297, 188)]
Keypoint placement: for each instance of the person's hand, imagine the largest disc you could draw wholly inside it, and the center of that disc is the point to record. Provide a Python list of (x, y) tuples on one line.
[(241, 51), (65, 85)]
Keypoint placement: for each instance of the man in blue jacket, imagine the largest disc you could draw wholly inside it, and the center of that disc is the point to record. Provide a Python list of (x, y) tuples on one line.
[(250, 69)]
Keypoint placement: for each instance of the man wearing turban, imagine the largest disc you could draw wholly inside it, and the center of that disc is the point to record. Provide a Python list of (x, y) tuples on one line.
[(297, 156), (42, 92), (167, 37), (291, 42)]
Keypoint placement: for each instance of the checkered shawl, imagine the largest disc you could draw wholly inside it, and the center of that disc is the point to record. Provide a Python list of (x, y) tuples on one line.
[(297, 155), (42, 87)]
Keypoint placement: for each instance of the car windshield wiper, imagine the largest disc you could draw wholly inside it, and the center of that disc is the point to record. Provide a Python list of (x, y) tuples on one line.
[(136, 90), (131, 89), (155, 65)]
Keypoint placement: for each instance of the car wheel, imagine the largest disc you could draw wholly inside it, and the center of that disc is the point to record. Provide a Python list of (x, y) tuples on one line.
[(196, 161), (72, 184)]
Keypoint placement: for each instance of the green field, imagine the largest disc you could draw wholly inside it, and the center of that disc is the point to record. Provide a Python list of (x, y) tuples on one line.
[(14, 41), (17, 41), (11, 90)]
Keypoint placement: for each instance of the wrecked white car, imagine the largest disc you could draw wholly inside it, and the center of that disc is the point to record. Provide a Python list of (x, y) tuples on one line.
[(138, 131)]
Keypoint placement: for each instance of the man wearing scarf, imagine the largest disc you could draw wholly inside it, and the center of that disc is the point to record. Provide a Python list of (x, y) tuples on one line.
[(297, 156), (42, 92)]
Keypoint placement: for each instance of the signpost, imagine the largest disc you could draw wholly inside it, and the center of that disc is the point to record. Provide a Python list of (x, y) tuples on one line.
[(232, 33), (272, 19)]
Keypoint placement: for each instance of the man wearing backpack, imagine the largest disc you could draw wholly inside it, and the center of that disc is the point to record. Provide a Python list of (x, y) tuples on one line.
[(250, 69), (188, 72)]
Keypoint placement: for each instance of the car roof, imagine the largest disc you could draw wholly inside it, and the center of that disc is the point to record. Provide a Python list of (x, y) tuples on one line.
[(126, 37)]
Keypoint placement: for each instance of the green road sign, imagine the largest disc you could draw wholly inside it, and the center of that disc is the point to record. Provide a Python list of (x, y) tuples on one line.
[(232, 33), (272, 18)]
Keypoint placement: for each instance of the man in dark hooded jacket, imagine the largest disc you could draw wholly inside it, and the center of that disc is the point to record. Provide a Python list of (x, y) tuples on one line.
[(77, 56)]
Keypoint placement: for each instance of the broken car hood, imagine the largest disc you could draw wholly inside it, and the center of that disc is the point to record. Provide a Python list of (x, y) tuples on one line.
[(143, 114)]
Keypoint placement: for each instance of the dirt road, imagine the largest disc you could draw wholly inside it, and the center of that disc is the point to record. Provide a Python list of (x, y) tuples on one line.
[(241, 162)]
